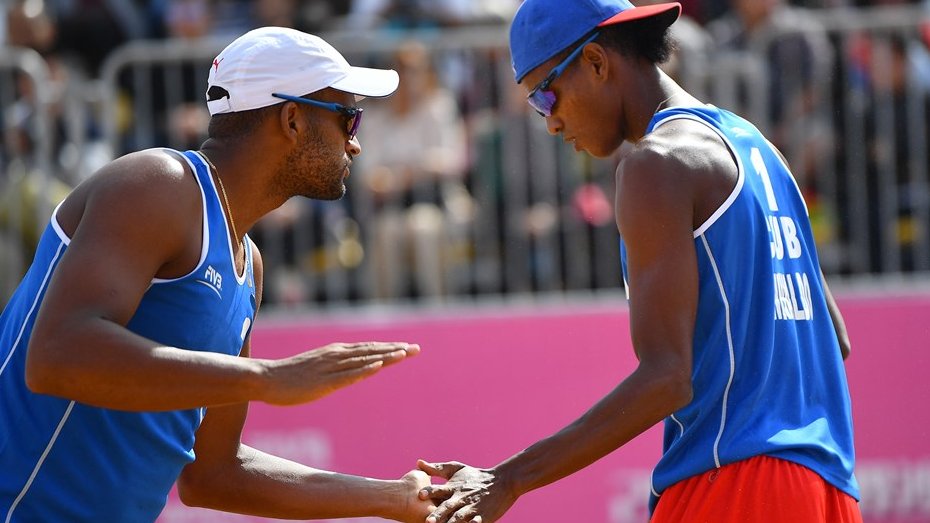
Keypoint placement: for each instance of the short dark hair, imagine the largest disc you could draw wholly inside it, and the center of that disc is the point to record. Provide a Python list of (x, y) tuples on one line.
[(647, 38), (240, 124), (232, 126)]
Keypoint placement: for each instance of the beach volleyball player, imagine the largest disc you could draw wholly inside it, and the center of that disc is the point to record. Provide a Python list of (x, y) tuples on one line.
[(125, 355), (739, 341)]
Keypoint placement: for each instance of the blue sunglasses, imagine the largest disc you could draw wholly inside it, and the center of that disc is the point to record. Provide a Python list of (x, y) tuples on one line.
[(541, 98), (353, 114)]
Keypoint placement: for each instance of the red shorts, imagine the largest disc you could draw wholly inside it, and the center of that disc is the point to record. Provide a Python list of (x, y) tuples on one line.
[(762, 489)]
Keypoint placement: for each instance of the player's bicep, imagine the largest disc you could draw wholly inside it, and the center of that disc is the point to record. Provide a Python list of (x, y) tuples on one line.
[(655, 218), (219, 437), (110, 285), (839, 325), (126, 233), (216, 450)]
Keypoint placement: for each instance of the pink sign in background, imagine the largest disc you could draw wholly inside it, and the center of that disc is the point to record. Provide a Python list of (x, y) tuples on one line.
[(490, 382)]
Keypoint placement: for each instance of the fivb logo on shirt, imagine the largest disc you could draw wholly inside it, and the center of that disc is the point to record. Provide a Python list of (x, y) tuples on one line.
[(213, 279)]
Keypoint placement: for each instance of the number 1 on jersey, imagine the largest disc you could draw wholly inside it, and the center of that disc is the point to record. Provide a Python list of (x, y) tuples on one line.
[(762, 170)]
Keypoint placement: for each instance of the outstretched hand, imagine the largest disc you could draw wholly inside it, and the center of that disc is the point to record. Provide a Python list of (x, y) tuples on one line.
[(470, 495), (415, 509), (313, 374)]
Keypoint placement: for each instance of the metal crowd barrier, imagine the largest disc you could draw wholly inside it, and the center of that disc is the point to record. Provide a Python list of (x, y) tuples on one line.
[(520, 234), (529, 215), (854, 127), (25, 160)]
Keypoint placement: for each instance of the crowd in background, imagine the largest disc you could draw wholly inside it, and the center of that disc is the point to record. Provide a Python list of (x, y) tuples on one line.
[(453, 157), (84, 32)]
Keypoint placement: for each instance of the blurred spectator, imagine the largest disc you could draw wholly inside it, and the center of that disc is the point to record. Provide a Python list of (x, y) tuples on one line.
[(688, 63), (406, 14), (29, 188), (875, 3), (320, 16), (310, 248), (795, 63), (793, 45), (536, 198), (512, 223), (199, 18), (88, 30), (281, 13), (412, 166), (705, 11), (226, 18), (819, 4), (186, 19), (28, 24), (399, 16), (897, 91)]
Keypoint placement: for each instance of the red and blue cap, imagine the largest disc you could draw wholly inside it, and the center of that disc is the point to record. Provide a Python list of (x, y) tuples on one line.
[(543, 28)]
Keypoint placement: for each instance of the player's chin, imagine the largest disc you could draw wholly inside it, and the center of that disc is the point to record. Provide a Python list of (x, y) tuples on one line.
[(599, 150), (599, 147), (337, 193), (334, 192)]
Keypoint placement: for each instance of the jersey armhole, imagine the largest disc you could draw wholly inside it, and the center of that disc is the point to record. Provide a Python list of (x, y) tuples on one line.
[(205, 234), (740, 171)]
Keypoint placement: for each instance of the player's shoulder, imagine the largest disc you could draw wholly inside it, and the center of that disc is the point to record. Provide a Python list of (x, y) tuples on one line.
[(678, 149), (149, 165), (152, 184), (679, 165), (146, 174)]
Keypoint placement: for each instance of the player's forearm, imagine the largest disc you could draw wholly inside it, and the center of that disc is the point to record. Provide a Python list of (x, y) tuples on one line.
[(268, 486), (101, 363), (639, 402), (836, 316)]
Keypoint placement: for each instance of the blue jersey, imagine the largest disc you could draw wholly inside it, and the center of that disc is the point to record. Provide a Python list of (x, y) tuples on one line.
[(61, 460), (768, 377)]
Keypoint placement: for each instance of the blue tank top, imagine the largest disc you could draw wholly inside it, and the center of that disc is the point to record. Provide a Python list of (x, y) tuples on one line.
[(61, 460), (768, 377)]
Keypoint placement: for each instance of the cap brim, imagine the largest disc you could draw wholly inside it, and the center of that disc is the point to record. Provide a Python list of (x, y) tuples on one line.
[(672, 10), (366, 82)]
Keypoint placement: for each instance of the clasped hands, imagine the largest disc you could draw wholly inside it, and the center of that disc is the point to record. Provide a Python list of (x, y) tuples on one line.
[(469, 495)]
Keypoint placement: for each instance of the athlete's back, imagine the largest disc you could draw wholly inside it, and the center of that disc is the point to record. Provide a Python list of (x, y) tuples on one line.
[(762, 322)]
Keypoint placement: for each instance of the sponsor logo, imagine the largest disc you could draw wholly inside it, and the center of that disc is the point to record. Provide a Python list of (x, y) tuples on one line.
[(213, 279)]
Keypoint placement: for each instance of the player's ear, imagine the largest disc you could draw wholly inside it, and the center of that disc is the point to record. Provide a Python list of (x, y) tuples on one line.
[(595, 56), (290, 120)]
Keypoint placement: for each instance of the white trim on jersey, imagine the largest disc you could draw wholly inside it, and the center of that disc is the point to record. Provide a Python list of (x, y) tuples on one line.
[(726, 308), (205, 237), (240, 278), (681, 426), (740, 172), (32, 309), (35, 470), (19, 337), (681, 429), (247, 245), (57, 227)]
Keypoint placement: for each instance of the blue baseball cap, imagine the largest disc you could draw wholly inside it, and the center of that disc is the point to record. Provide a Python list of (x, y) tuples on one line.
[(543, 28)]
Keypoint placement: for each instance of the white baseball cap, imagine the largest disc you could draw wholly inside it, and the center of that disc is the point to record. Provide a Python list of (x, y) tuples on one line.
[(282, 60)]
